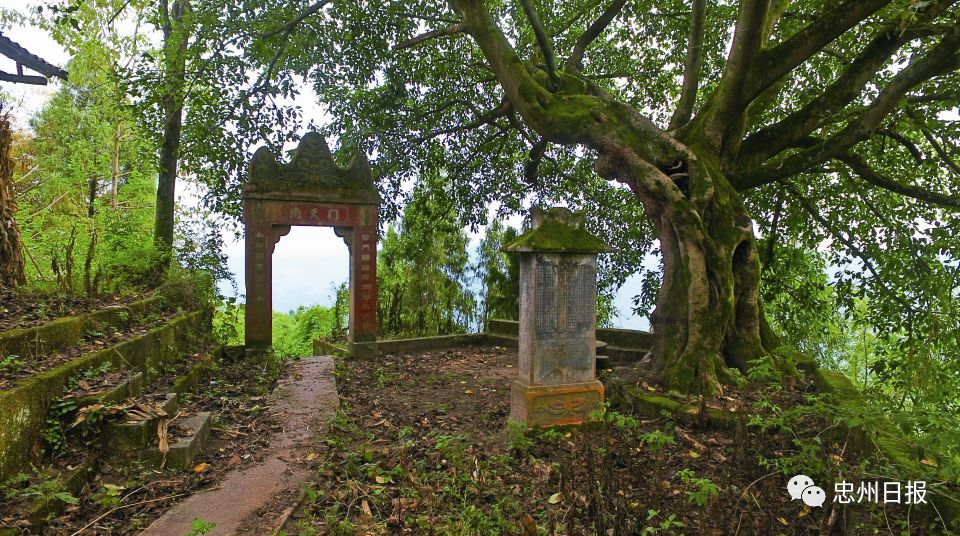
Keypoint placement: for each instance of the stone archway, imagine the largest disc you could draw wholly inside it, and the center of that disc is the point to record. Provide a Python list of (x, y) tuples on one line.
[(310, 190)]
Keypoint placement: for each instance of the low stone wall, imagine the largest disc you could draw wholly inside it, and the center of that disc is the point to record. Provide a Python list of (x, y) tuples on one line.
[(321, 347), (624, 344), (63, 332), (624, 338), (429, 343), (23, 408)]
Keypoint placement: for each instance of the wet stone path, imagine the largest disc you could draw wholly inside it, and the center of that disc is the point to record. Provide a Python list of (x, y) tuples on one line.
[(257, 500)]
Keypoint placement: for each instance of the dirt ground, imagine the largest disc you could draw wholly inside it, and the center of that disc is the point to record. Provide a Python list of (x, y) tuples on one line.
[(124, 498), (23, 310), (421, 446)]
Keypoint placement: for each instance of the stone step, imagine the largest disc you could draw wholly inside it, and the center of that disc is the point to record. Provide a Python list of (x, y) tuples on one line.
[(623, 356), (495, 339), (499, 326), (185, 450), (129, 387), (61, 333), (125, 439)]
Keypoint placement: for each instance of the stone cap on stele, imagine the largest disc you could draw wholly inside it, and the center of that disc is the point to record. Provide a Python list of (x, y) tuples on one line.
[(558, 230)]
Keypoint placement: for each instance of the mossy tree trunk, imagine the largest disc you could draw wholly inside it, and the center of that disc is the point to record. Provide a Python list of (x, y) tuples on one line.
[(708, 315), (176, 35), (689, 177), (11, 245)]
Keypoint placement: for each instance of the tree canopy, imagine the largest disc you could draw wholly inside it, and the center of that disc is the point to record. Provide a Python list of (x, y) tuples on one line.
[(772, 135)]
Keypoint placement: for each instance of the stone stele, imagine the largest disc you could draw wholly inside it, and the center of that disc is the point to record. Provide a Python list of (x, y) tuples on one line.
[(558, 319)]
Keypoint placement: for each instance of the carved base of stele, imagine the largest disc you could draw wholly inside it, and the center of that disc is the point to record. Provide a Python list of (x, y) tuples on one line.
[(364, 350), (555, 405)]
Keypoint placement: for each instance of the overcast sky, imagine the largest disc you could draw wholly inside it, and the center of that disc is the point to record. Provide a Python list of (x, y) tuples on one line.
[(308, 261)]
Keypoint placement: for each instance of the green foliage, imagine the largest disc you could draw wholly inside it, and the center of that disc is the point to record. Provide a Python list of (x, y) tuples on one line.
[(762, 370), (109, 496), (294, 333), (656, 440), (55, 433), (9, 363), (86, 185), (200, 527), (518, 438), (423, 271), (499, 273), (667, 524), (228, 322), (22, 487), (704, 489)]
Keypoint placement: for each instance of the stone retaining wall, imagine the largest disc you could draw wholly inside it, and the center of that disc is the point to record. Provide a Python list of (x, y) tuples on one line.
[(23, 408), (63, 332)]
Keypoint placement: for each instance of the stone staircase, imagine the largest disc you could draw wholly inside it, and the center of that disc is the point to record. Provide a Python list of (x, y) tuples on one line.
[(106, 392)]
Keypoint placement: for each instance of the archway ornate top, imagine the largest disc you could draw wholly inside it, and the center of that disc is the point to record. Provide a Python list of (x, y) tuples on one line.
[(312, 172)]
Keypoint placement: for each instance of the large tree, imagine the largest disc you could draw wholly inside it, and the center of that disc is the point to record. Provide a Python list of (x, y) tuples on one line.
[(703, 113), (703, 125)]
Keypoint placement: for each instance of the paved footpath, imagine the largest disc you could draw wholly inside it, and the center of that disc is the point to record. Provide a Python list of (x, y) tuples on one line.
[(258, 499)]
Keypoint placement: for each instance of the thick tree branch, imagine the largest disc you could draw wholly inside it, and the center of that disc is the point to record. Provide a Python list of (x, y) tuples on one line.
[(532, 167), (905, 142), (691, 66), (287, 27), (543, 40), (426, 36), (940, 59), (833, 22), (588, 117), (728, 104), (870, 175), (774, 138), (575, 61)]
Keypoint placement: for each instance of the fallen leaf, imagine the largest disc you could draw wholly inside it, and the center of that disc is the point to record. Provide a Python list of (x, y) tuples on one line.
[(468, 392), (783, 521), (529, 526), (383, 480), (201, 468), (365, 506), (693, 454), (555, 498), (234, 460), (312, 456), (84, 384)]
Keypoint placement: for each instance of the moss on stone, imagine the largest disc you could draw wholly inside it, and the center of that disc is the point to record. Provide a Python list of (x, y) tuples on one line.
[(555, 236), (63, 332), (23, 408)]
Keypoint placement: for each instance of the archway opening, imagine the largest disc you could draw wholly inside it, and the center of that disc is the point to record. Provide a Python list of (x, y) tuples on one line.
[(311, 267)]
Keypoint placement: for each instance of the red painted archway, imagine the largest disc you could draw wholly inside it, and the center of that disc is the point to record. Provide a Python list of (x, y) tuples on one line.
[(310, 190)]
